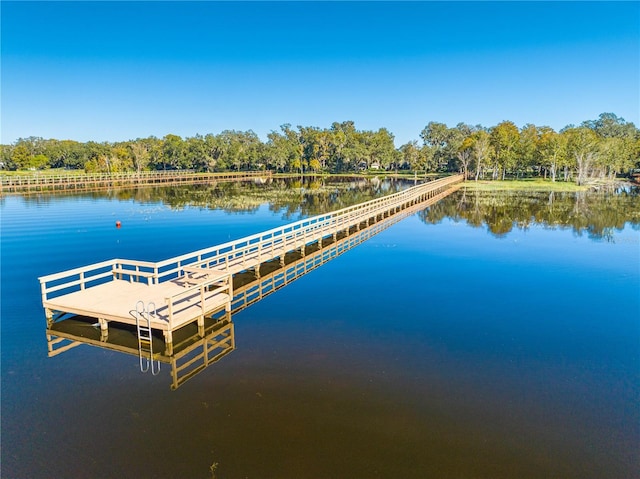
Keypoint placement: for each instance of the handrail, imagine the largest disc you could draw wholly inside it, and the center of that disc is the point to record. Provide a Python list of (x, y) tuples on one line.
[(308, 220), (202, 287), (40, 182), (10, 180), (312, 228)]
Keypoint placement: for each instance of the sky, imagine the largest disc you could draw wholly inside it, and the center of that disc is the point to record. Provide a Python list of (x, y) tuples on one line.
[(115, 71)]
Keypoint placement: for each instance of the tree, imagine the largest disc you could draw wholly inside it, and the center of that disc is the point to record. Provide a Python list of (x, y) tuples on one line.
[(39, 162), (552, 148), (601, 148), (65, 153), (609, 125), (527, 152), (460, 143), (140, 155), (381, 149), (20, 156), (285, 149), (582, 145), (504, 141), (5, 157), (482, 150), (615, 155), (213, 151), (436, 137), (617, 144), (173, 152), (196, 154), (465, 155), (410, 155)]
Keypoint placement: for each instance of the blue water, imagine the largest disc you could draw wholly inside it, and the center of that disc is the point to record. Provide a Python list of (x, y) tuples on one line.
[(431, 350)]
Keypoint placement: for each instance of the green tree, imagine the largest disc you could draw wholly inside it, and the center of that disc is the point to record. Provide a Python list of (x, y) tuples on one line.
[(552, 149), (527, 152), (380, 148), (504, 141), (65, 153), (609, 125), (616, 155), (482, 150), (173, 152), (39, 162), (140, 154), (285, 149), (460, 145), (582, 148), (411, 155), (435, 137), (20, 156)]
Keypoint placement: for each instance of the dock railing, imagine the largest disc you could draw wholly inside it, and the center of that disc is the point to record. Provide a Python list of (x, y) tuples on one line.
[(203, 290), (90, 181), (244, 252)]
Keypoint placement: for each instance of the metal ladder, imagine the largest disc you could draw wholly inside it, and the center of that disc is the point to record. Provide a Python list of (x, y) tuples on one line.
[(145, 338)]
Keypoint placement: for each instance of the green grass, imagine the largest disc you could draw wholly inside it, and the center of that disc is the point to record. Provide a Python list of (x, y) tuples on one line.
[(531, 184)]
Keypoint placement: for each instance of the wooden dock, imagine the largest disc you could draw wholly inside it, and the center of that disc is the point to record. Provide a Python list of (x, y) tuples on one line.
[(194, 348), (42, 183), (188, 288)]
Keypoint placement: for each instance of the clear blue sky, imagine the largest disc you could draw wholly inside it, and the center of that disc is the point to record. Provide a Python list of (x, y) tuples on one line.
[(116, 71)]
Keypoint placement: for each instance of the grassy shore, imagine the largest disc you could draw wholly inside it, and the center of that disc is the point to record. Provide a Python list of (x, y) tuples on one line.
[(529, 184), (49, 172)]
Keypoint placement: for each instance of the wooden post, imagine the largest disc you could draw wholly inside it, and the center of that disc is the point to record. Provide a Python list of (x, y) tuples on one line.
[(168, 341), (49, 316), (104, 329), (227, 307)]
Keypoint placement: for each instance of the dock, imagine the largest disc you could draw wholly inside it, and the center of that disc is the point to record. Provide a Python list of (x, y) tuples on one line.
[(161, 298), (194, 348), (44, 183)]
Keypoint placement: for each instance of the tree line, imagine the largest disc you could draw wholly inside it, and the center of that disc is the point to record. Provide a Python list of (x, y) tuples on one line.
[(596, 149)]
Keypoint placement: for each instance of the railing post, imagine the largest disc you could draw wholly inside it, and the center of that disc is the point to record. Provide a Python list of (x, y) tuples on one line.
[(202, 308), (170, 311), (43, 290)]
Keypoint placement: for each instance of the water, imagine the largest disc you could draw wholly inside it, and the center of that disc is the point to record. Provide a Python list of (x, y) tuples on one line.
[(435, 349)]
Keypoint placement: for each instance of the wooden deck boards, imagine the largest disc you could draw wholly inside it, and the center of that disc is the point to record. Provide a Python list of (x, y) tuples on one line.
[(116, 301)]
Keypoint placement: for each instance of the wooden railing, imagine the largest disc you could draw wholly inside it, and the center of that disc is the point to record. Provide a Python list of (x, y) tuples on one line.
[(71, 182), (205, 289), (234, 254)]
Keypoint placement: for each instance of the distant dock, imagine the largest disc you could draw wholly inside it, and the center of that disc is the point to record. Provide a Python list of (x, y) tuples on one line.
[(38, 183)]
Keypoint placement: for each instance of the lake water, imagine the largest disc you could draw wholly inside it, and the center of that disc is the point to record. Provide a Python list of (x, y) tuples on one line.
[(471, 340)]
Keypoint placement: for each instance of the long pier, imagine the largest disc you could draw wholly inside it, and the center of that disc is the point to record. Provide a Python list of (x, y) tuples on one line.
[(100, 181), (184, 290), (194, 348)]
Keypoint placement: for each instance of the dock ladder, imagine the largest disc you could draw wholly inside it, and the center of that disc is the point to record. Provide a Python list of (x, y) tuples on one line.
[(145, 338)]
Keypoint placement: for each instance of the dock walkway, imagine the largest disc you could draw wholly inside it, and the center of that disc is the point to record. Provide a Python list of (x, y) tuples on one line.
[(40, 183), (190, 287)]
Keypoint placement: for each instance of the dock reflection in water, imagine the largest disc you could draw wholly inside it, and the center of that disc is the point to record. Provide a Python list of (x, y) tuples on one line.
[(193, 350)]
